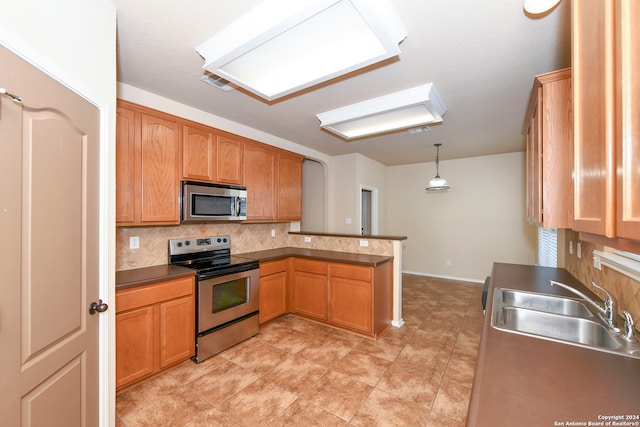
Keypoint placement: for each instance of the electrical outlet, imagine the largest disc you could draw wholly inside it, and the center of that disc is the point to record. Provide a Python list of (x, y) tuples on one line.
[(134, 242), (347, 220), (448, 262), (579, 250), (307, 239), (364, 243), (570, 247), (273, 232)]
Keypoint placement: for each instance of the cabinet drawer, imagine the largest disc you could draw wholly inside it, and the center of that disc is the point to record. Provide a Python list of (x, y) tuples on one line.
[(128, 299), (354, 272), (310, 266), (272, 267)]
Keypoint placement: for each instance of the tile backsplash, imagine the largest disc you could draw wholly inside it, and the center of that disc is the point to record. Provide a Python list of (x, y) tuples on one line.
[(153, 241), (625, 289)]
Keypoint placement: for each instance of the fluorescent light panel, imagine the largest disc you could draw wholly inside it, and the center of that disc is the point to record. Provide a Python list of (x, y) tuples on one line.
[(409, 108), (283, 46)]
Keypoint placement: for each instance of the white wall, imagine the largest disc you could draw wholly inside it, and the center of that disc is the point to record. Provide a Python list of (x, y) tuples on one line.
[(74, 41), (479, 221), (349, 172), (313, 196)]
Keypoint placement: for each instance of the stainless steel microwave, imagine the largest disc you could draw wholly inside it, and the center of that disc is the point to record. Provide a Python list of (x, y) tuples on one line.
[(203, 202)]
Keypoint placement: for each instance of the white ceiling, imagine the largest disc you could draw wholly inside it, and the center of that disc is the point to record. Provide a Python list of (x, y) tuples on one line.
[(481, 55)]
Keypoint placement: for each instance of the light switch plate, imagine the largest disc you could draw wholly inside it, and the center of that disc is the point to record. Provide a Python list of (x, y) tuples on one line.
[(134, 242)]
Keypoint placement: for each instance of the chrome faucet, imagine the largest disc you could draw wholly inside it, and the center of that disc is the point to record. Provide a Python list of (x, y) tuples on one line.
[(607, 311), (628, 325)]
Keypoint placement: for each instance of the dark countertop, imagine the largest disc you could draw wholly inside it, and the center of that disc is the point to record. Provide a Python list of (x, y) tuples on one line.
[(146, 275), (360, 236), (322, 255), (527, 381), (157, 273)]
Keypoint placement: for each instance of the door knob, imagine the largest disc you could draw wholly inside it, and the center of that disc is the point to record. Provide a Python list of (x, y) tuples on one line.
[(99, 307)]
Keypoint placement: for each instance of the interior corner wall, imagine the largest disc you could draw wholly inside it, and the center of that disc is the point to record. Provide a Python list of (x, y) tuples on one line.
[(462, 232), (372, 174), (313, 196), (343, 192)]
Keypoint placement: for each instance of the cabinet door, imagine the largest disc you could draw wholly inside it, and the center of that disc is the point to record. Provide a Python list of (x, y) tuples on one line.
[(229, 161), (350, 304), (259, 178), (134, 345), (159, 170), (126, 168), (198, 154), (273, 296), (556, 149), (289, 186), (593, 50), (628, 140), (177, 330), (310, 294)]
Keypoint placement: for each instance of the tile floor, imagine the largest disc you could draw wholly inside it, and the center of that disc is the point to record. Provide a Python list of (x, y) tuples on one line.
[(300, 373)]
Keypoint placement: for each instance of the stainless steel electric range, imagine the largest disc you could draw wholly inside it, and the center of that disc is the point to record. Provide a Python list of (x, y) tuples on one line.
[(227, 292)]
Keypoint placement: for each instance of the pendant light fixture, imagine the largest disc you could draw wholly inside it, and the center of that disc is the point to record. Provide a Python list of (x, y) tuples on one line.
[(437, 183)]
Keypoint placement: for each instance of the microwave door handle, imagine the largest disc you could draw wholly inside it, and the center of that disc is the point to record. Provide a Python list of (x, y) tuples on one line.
[(237, 206)]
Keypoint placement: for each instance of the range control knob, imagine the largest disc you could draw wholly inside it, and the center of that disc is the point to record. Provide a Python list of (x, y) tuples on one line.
[(187, 242), (179, 244)]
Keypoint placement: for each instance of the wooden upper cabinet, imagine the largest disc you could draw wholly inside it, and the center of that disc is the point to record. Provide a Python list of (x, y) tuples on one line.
[(550, 151), (159, 165), (126, 167), (260, 180), (628, 125), (229, 160), (605, 55), (147, 178), (289, 201), (198, 154)]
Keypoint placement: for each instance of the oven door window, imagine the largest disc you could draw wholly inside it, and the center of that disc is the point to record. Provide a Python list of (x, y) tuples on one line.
[(207, 205), (230, 294)]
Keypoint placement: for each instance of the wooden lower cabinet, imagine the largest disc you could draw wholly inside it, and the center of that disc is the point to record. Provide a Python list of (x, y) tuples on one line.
[(310, 288), (155, 328), (358, 298), (350, 304), (273, 289)]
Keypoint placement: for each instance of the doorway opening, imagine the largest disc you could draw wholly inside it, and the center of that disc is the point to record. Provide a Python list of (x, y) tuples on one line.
[(368, 210)]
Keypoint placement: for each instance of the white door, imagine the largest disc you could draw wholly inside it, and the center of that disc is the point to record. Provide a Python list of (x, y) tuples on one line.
[(49, 189)]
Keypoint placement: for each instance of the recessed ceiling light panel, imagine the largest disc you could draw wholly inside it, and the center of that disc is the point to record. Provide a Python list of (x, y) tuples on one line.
[(283, 46), (409, 108)]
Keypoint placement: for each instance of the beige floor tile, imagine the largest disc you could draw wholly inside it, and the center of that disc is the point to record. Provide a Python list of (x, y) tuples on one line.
[(452, 400), (225, 381), (416, 386), (386, 348), (339, 394), (188, 370), (420, 359), (292, 341), (439, 420), (137, 396), (212, 418), (326, 351), (306, 326), (363, 366), (259, 357), (384, 409), (295, 372), (176, 408), (259, 403), (304, 413), (460, 369)]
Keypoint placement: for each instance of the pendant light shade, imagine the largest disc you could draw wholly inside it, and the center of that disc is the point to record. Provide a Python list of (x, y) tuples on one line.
[(437, 183)]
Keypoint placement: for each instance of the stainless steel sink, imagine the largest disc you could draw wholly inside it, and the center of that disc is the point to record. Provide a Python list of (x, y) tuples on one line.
[(565, 328), (557, 318), (543, 302)]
